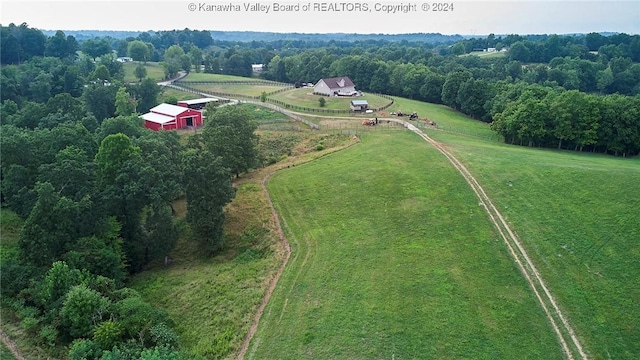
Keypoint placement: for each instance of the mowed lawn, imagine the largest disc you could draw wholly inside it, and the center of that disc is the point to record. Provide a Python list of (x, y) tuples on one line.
[(578, 214), (393, 258)]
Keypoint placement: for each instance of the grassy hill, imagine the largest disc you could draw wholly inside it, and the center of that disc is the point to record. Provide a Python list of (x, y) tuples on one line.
[(393, 257), (578, 216)]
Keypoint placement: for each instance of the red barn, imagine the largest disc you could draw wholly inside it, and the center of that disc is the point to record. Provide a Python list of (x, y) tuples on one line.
[(171, 117)]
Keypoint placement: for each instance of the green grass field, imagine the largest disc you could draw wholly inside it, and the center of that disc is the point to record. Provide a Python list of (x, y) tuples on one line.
[(246, 90), (154, 71), (194, 76), (578, 215), (446, 118), (393, 258), (305, 97), (484, 54)]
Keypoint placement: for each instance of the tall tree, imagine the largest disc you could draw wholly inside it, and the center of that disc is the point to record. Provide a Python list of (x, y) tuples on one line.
[(230, 134), (96, 47), (452, 85), (124, 103), (208, 189), (139, 51)]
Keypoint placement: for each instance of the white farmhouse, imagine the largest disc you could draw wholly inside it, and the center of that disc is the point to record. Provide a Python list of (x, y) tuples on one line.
[(338, 86)]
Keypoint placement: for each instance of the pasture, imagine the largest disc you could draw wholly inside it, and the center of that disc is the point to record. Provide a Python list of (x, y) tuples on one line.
[(155, 71), (393, 258), (237, 89), (194, 76), (485, 54), (304, 97), (577, 214)]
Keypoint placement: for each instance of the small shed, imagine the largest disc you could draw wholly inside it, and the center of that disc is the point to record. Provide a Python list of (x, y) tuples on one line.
[(171, 117), (359, 105), (196, 104)]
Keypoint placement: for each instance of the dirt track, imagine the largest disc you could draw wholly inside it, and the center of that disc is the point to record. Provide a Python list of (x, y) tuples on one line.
[(11, 346), (566, 335)]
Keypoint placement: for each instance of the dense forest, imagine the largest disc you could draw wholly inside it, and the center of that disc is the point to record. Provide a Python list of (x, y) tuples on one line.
[(95, 189)]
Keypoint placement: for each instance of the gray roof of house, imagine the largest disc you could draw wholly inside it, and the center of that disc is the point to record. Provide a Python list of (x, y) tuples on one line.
[(359, 102), (334, 83)]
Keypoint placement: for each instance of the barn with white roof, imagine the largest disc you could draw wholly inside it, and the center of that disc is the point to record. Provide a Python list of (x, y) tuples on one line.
[(171, 117)]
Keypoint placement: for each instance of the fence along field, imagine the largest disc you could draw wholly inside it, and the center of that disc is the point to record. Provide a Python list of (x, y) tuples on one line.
[(393, 257)]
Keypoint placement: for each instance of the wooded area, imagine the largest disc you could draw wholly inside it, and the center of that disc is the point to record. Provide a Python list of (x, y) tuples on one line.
[(95, 190)]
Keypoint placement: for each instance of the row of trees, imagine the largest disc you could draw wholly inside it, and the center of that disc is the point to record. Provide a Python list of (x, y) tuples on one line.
[(538, 116)]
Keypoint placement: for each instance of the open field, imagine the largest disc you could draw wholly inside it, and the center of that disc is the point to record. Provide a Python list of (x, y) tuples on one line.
[(194, 76), (484, 54), (446, 118), (246, 90), (304, 97), (168, 92), (393, 258), (155, 71), (577, 214)]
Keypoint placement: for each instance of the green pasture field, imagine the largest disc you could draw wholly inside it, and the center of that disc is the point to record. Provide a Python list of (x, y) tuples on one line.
[(194, 76), (168, 92), (393, 258), (304, 97), (246, 90), (445, 118), (578, 214), (495, 54), (155, 71)]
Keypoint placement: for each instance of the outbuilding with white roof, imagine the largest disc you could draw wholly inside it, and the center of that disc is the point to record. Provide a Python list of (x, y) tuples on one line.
[(171, 117)]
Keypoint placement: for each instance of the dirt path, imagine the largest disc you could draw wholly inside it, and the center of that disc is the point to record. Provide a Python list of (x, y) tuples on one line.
[(566, 335), (11, 346), (274, 281)]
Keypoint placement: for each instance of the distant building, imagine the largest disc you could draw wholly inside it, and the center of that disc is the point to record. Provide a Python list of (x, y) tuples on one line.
[(257, 67), (491, 50), (359, 105), (124, 59), (338, 86), (171, 117), (196, 104)]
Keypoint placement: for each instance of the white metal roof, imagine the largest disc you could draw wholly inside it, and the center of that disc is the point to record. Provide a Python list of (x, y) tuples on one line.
[(197, 101), (359, 102), (158, 118), (168, 109)]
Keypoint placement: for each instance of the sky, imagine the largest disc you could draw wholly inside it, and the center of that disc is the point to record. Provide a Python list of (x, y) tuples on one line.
[(470, 17)]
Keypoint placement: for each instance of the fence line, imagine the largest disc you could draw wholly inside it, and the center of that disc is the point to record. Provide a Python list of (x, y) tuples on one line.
[(239, 82)]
